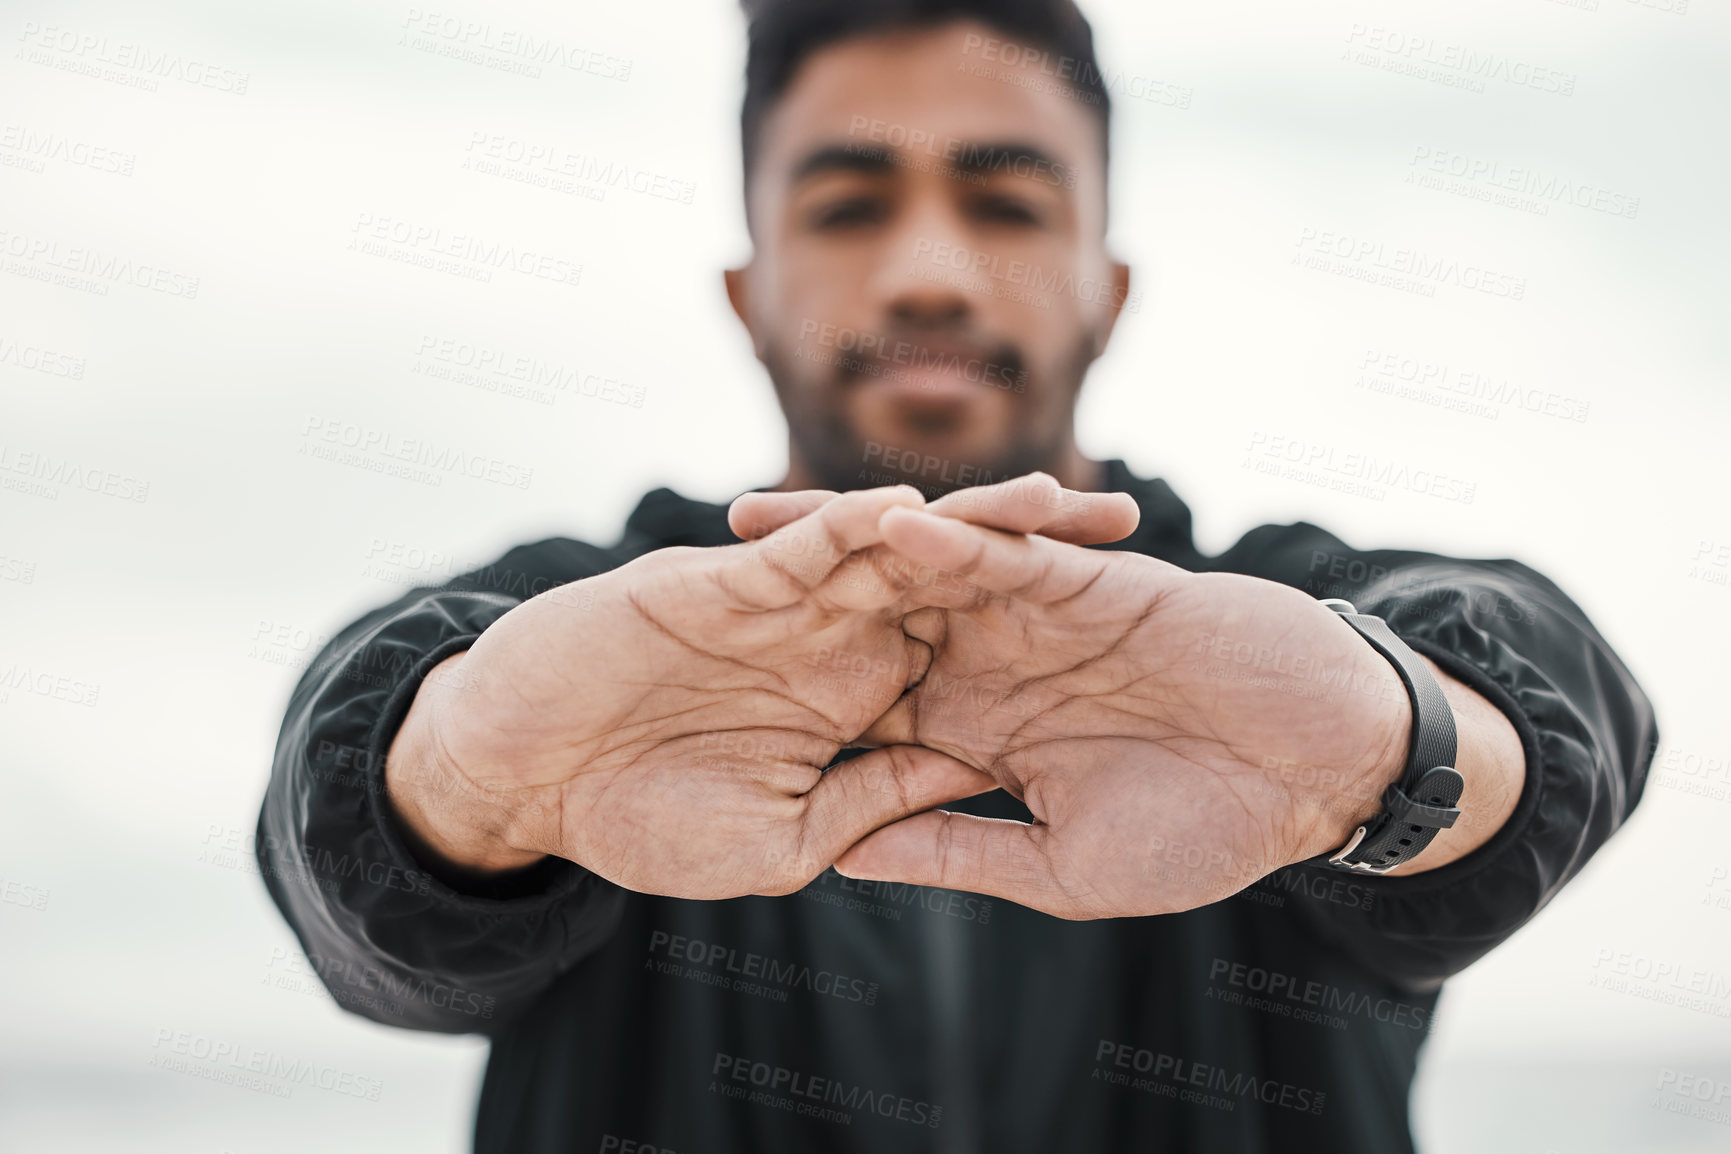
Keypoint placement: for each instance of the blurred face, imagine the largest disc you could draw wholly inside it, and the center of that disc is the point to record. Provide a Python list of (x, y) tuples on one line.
[(930, 280)]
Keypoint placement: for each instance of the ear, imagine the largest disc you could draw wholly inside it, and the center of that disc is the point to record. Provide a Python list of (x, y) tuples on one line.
[(1120, 296), (738, 281)]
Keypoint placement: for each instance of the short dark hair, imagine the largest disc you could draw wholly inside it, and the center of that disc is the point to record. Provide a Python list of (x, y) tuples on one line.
[(782, 33)]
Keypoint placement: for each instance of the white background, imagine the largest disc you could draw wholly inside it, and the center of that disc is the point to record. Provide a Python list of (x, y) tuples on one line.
[(128, 821)]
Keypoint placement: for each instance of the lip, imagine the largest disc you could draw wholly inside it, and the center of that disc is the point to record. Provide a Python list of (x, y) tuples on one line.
[(944, 385), (932, 369)]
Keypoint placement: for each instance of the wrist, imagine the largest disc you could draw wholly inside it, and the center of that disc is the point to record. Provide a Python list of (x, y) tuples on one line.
[(1484, 755), (445, 815), (1358, 797)]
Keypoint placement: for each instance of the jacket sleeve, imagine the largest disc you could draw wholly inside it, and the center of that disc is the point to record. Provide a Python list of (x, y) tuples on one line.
[(1587, 729), (388, 939)]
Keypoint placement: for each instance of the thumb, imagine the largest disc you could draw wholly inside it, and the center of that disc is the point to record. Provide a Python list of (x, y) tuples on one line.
[(874, 789), (983, 855)]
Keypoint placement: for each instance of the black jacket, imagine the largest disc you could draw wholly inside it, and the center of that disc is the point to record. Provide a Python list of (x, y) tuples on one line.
[(857, 1016)]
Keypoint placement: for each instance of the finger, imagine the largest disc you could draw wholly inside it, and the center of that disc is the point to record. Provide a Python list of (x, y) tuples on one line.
[(876, 788), (1036, 503), (924, 630), (895, 726), (1034, 569), (790, 562), (754, 515), (957, 851)]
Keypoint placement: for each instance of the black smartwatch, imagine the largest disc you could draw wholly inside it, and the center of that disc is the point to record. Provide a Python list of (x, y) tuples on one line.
[(1427, 796)]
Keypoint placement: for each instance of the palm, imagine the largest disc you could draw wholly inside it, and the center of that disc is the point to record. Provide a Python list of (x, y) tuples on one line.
[(1149, 718), (694, 775), (671, 719)]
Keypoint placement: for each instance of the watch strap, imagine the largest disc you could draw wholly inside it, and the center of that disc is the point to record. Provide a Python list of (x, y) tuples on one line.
[(1426, 797)]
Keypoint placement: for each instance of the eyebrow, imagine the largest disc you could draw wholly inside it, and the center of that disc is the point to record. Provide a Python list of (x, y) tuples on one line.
[(866, 158), (968, 157), (986, 157)]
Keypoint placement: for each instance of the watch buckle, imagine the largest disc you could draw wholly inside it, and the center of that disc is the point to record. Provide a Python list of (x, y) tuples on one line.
[(1338, 858), (1335, 858)]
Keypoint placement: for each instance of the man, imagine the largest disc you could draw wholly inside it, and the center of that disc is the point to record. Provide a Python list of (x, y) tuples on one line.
[(599, 791)]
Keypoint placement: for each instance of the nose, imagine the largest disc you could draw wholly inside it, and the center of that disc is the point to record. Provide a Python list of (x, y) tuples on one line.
[(914, 289)]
